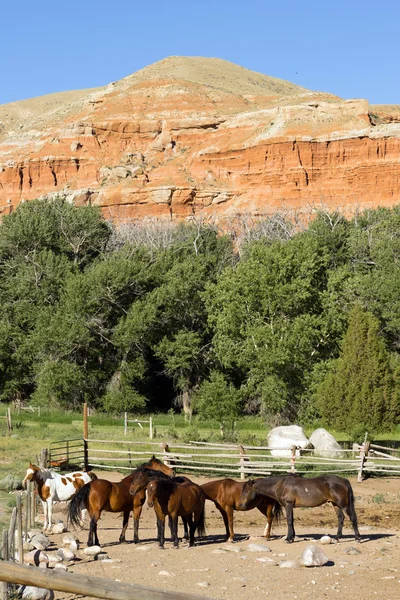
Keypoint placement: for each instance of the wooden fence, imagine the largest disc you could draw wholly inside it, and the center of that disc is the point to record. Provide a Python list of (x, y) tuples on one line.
[(139, 423), (241, 461), (23, 518), (74, 583)]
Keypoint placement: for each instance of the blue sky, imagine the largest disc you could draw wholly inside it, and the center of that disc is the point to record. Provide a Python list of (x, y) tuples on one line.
[(350, 48)]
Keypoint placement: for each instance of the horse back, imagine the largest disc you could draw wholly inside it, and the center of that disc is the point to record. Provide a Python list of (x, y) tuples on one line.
[(186, 498), (225, 492)]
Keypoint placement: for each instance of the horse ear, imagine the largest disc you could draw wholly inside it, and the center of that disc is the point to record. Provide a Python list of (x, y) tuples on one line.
[(153, 457)]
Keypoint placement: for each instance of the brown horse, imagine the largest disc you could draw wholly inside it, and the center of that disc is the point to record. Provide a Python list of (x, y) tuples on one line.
[(292, 491), (142, 480), (226, 493), (175, 500), (101, 495)]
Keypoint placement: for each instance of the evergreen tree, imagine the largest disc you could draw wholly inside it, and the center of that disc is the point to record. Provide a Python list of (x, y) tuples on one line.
[(359, 392)]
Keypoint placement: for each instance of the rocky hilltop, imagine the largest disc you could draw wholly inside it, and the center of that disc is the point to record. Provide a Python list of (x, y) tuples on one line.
[(199, 135)]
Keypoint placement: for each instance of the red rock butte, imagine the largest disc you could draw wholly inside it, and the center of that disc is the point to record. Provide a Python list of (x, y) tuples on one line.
[(193, 135)]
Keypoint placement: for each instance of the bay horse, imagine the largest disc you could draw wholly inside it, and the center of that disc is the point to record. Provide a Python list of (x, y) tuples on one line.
[(226, 493), (172, 499), (292, 491), (102, 494), (142, 480), (54, 487)]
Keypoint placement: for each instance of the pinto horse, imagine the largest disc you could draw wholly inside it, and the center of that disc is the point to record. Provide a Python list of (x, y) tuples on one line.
[(53, 487), (226, 493), (292, 491), (102, 495), (172, 499)]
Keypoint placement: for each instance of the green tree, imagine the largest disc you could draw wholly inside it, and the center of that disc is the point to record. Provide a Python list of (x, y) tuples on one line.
[(217, 399), (359, 391)]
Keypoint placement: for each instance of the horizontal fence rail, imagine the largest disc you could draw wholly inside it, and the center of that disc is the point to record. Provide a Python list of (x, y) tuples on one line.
[(241, 461), (73, 583)]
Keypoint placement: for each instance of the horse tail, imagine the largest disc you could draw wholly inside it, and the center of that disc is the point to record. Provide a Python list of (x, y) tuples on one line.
[(92, 475), (75, 505), (201, 524), (277, 511), (352, 510)]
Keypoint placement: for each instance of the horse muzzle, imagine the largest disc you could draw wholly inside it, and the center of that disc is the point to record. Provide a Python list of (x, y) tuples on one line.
[(150, 504)]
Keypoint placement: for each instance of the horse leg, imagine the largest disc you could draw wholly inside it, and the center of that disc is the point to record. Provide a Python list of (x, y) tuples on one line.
[(185, 528), (340, 516), (353, 518), (270, 516), (137, 511), (228, 526), (289, 518), (95, 516), (174, 522), (192, 529), (44, 504), (49, 503), (161, 530), (124, 526)]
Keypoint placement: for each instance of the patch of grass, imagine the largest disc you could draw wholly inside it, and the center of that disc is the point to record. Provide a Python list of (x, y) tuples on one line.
[(379, 499)]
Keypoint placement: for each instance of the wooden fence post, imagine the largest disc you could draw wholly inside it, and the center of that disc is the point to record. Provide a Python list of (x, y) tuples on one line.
[(11, 534), (165, 449), (28, 507), (19, 525), (151, 428), (243, 459), (125, 423), (86, 454), (363, 459), (4, 556), (9, 422), (44, 456), (85, 421), (293, 460)]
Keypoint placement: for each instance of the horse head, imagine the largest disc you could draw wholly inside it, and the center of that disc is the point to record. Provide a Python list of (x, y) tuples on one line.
[(139, 482), (157, 465), (248, 494), (151, 492), (30, 473)]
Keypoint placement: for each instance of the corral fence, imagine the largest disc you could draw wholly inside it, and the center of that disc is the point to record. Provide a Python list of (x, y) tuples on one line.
[(23, 518), (226, 459), (74, 583)]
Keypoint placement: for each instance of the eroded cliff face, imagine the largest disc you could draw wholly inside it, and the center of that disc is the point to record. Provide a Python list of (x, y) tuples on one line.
[(175, 140)]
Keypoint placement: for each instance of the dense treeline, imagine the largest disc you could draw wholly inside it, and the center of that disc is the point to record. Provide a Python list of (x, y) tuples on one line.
[(300, 324)]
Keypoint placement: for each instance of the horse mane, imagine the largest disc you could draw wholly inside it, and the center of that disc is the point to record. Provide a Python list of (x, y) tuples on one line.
[(152, 460), (153, 474), (166, 484)]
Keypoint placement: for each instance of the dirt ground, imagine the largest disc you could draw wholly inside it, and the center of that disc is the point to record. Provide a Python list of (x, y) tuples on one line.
[(231, 571)]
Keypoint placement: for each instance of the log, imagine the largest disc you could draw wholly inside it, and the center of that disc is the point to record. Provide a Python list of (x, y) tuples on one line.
[(84, 585)]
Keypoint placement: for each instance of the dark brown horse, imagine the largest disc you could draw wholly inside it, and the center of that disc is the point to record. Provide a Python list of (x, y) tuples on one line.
[(101, 494), (226, 493), (175, 500), (142, 480), (292, 491)]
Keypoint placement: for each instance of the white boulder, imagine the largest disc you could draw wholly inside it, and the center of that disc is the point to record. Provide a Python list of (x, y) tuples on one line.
[(30, 592), (59, 527), (325, 444), (313, 557), (34, 557), (281, 440)]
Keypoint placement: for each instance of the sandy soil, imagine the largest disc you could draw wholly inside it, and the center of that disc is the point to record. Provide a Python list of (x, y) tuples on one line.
[(230, 571)]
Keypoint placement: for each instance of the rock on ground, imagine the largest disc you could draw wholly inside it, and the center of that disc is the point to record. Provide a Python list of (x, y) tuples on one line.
[(313, 557), (281, 440)]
